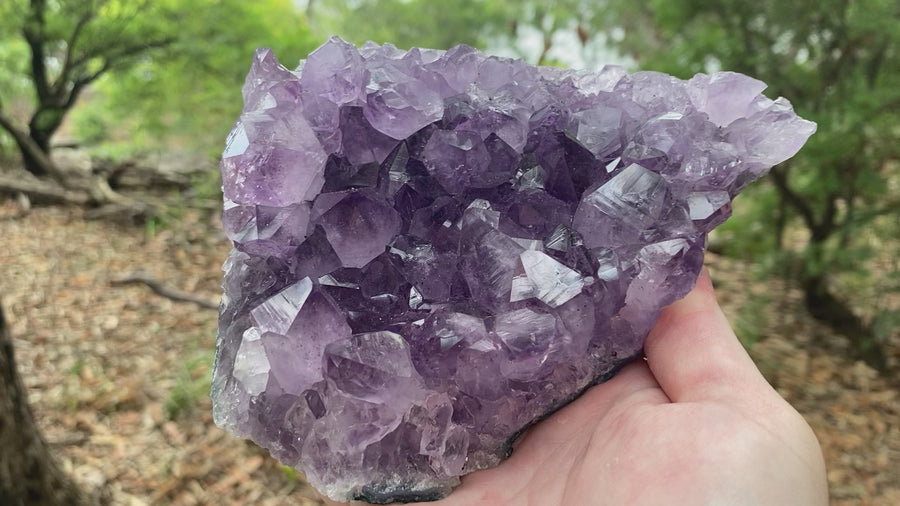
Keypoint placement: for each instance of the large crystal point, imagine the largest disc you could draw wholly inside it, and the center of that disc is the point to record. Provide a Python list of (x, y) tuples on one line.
[(433, 249)]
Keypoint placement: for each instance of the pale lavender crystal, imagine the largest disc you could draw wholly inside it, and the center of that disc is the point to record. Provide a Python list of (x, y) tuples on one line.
[(434, 250)]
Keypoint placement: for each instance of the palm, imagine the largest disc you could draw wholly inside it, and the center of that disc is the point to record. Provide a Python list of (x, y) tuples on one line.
[(693, 424)]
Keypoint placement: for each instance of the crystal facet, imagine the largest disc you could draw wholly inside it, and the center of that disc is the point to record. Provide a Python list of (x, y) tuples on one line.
[(433, 250)]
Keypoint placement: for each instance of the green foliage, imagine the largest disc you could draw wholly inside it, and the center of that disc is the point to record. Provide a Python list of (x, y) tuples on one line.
[(839, 64), (152, 226), (290, 474), (153, 73), (835, 60), (207, 185), (57, 48), (191, 387), (746, 234), (187, 96), (407, 23), (77, 367), (886, 324), (832, 211), (486, 24), (13, 60), (16, 95), (820, 215), (748, 325)]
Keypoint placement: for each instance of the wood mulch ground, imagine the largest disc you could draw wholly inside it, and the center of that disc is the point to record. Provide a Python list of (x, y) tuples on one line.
[(119, 376)]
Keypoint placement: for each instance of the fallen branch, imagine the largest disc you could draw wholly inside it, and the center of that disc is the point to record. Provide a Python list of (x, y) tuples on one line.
[(134, 212), (42, 190), (94, 191), (160, 289), (70, 440)]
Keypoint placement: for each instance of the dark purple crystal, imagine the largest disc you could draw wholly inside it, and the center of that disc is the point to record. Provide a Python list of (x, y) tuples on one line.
[(433, 249)]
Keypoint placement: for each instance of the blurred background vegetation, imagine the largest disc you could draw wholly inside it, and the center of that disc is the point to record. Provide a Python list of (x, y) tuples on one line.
[(118, 109), (130, 80)]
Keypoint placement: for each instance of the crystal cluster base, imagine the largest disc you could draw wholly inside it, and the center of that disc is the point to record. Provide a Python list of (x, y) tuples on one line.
[(433, 250)]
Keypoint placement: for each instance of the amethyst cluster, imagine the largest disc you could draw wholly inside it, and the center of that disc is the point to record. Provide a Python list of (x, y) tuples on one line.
[(435, 249)]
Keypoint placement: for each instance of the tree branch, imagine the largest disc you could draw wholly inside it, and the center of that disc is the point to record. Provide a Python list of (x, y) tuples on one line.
[(27, 144), (827, 224), (70, 48), (779, 177), (34, 36), (19, 136), (861, 218), (41, 190), (874, 66), (113, 58), (162, 290)]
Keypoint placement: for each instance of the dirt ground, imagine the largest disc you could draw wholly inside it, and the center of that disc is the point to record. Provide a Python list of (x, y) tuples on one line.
[(119, 376)]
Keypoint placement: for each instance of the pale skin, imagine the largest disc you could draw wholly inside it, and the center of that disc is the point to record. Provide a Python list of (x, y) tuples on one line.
[(695, 423)]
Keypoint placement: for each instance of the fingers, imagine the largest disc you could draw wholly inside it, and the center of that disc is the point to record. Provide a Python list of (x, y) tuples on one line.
[(694, 354)]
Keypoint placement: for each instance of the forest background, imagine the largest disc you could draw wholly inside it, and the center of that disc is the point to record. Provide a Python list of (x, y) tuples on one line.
[(113, 114)]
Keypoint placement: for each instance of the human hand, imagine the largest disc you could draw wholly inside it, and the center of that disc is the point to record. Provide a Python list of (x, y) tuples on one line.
[(693, 424)]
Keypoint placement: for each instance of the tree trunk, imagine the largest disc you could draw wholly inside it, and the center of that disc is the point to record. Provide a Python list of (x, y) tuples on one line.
[(827, 308), (36, 157), (44, 123), (28, 473), (34, 165)]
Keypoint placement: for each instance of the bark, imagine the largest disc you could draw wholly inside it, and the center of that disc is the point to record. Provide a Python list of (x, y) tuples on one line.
[(824, 306), (819, 300), (32, 152), (38, 166), (32, 164), (95, 190), (40, 190), (163, 290), (29, 475)]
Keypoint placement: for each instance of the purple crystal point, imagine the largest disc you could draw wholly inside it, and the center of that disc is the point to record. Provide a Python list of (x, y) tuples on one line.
[(433, 250)]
